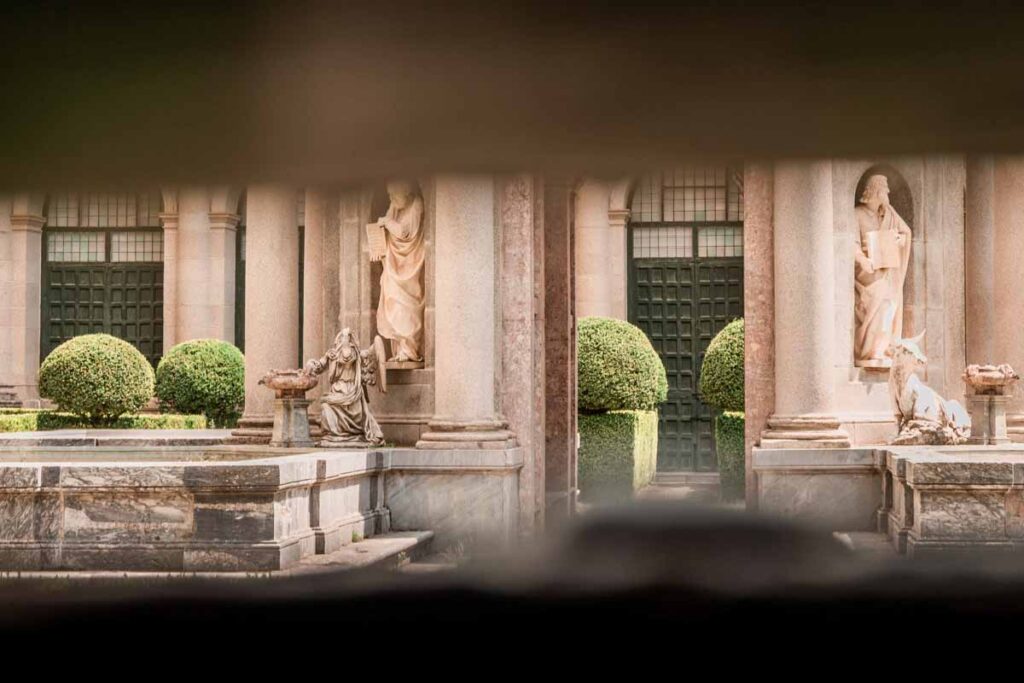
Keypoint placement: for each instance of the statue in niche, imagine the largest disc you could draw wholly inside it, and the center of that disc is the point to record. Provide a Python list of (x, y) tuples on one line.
[(882, 257), (345, 410), (396, 239), (922, 416)]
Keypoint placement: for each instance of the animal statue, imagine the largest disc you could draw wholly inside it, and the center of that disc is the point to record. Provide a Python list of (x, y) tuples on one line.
[(922, 416)]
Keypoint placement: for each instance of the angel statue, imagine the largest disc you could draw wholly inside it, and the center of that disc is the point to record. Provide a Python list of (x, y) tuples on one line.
[(345, 410)]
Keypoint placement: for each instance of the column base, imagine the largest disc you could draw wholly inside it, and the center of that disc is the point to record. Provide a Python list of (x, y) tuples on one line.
[(253, 430), (443, 434), (1015, 427), (804, 431)]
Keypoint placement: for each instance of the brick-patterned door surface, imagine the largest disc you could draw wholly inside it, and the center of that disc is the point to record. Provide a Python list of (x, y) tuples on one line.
[(122, 298), (681, 304)]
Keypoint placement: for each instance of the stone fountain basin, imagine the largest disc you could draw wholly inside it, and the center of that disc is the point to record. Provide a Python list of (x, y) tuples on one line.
[(289, 380)]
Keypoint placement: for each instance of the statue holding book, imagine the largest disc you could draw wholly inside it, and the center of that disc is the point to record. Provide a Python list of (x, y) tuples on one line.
[(396, 239), (882, 258)]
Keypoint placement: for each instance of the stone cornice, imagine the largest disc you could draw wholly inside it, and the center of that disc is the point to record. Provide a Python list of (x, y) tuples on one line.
[(169, 221)]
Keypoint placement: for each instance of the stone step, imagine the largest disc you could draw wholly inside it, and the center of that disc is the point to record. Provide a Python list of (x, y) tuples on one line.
[(385, 552), (866, 542), (689, 479)]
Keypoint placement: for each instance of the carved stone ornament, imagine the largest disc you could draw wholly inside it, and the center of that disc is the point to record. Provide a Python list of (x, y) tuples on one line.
[(922, 416)]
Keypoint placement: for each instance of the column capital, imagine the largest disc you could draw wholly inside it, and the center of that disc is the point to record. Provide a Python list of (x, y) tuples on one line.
[(619, 216), (224, 221), (27, 223), (169, 221)]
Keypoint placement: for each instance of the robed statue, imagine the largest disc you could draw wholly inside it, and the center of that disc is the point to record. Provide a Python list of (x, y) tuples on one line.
[(396, 239), (882, 258), (345, 415)]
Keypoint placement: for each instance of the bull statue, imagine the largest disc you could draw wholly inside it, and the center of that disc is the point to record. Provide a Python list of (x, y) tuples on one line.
[(922, 416)]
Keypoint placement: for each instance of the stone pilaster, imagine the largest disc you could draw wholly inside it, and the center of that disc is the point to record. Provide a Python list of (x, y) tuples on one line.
[(169, 221), (804, 415), (1006, 332), (26, 241), (271, 300), (466, 413), (223, 234), (194, 314), (980, 253)]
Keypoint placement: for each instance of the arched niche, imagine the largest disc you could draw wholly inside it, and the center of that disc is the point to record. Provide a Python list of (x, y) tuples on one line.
[(902, 200), (899, 191)]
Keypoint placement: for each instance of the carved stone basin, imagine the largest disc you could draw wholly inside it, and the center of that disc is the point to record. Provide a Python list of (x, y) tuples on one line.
[(289, 383), (990, 379)]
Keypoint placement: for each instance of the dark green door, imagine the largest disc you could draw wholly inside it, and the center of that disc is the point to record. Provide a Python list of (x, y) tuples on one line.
[(103, 281), (681, 303)]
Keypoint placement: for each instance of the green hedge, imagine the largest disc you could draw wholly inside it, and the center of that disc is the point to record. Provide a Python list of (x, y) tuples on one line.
[(721, 374), (97, 377), (729, 443), (46, 420), (203, 376), (618, 367), (618, 453)]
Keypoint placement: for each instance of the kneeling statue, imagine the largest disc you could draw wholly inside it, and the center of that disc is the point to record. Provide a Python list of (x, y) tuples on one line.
[(345, 410), (922, 416)]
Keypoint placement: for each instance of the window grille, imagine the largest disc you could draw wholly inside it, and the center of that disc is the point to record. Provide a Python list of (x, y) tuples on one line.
[(75, 247), (109, 210), (720, 242), (689, 194), (62, 211), (136, 247), (669, 242)]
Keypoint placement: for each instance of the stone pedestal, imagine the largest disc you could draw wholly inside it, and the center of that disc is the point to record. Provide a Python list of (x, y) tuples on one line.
[(291, 423), (988, 419)]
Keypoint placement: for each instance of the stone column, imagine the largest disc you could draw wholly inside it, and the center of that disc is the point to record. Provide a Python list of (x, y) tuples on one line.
[(26, 239), (194, 316), (271, 299), (1007, 332), (804, 414), (600, 252), (466, 413), (979, 257), (6, 295), (759, 310), (560, 477), (169, 221), (223, 234), (317, 214)]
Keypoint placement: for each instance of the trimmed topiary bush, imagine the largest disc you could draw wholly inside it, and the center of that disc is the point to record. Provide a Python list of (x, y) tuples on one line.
[(96, 377), (204, 376), (721, 374), (729, 446), (618, 367), (618, 453)]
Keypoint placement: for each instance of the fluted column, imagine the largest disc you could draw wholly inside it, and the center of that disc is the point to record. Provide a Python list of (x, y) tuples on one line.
[(804, 414), (271, 293), (466, 413)]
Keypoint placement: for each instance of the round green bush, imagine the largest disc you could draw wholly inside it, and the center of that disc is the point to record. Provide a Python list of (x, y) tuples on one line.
[(721, 374), (204, 376), (96, 376), (618, 367)]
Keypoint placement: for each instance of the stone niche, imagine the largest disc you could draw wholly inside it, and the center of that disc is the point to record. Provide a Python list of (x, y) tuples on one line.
[(928, 193), (403, 412)]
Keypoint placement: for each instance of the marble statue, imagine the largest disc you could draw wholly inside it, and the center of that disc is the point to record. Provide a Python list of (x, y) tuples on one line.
[(882, 257), (400, 309), (922, 416), (345, 415)]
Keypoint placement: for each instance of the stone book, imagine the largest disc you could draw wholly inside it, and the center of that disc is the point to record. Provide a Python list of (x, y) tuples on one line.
[(882, 249), (377, 241)]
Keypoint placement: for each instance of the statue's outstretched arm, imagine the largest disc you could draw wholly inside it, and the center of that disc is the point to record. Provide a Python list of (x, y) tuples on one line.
[(315, 366)]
